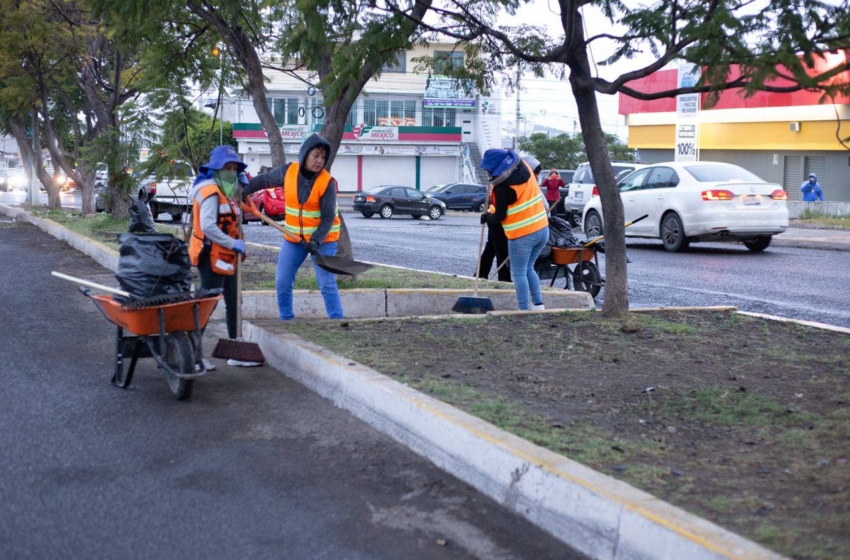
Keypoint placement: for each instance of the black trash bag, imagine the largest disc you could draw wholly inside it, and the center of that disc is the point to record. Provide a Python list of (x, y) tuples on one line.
[(153, 264), (141, 220), (561, 234)]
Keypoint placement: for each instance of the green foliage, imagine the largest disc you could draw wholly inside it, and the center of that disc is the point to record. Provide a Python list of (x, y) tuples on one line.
[(566, 151)]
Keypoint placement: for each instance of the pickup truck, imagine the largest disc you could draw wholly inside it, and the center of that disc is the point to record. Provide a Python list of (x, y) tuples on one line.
[(170, 187)]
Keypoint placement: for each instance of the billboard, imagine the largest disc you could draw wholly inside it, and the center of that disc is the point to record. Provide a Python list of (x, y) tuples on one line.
[(447, 93)]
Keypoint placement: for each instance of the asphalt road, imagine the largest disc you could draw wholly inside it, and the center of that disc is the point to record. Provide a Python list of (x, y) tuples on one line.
[(253, 466), (790, 282)]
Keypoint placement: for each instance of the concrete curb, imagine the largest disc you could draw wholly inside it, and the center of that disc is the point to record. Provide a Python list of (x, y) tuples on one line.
[(594, 513)]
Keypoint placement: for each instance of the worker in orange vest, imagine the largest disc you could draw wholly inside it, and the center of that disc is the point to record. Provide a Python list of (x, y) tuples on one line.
[(521, 210), (312, 222)]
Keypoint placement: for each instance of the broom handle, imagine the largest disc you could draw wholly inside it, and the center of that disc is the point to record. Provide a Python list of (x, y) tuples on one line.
[(239, 266), (504, 262), (481, 244), (90, 284), (254, 210)]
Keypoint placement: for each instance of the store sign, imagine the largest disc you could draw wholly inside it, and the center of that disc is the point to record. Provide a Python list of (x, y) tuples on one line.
[(293, 132), (375, 133), (687, 115), (447, 93)]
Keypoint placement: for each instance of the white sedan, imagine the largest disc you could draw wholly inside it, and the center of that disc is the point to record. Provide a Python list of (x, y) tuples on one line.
[(697, 201)]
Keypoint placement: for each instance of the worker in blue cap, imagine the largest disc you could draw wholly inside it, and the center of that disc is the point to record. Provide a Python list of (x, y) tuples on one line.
[(216, 240)]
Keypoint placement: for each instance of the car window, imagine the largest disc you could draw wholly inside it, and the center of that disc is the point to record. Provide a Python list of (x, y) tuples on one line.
[(414, 194), (662, 178), (398, 192), (377, 190), (634, 181), (707, 173), (584, 176)]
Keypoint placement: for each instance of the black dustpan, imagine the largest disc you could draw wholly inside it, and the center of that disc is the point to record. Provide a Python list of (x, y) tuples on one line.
[(340, 265)]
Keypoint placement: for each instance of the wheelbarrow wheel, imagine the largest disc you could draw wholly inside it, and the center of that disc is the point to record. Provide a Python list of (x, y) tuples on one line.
[(587, 278), (180, 357)]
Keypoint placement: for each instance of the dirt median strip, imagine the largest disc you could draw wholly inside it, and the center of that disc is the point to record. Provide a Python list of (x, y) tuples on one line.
[(737, 419)]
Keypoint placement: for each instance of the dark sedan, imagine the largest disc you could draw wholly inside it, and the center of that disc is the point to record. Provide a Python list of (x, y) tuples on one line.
[(387, 200), (463, 196)]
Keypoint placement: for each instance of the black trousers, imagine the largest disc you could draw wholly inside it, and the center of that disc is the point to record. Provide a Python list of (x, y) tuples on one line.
[(210, 280), (496, 247)]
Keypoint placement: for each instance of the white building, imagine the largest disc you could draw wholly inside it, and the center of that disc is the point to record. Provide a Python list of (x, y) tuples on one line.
[(405, 128)]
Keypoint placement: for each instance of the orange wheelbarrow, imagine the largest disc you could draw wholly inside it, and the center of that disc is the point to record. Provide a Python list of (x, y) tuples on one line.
[(170, 333), (585, 275)]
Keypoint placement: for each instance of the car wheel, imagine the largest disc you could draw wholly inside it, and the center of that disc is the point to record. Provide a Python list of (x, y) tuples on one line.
[(386, 211), (177, 217), (593, 224), (759, 243), (673, 233), (367, 214), (263, 212), (435, 212), (480, 207), (416, 216), (154, 207)]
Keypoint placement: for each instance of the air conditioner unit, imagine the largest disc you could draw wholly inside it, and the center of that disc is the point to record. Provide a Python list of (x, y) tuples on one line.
[(794, 126)]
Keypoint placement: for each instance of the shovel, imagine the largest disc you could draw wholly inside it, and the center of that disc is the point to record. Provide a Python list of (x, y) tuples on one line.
[(334, 265)]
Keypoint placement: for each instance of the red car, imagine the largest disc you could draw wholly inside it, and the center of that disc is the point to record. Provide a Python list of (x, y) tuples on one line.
[(270, 202)]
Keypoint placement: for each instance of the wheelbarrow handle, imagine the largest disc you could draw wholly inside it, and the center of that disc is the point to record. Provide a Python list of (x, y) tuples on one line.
[(595, 240), (91, 284)]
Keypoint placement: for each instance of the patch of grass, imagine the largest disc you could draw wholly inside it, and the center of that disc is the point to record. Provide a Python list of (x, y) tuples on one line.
[(723, 407), (815, 216)]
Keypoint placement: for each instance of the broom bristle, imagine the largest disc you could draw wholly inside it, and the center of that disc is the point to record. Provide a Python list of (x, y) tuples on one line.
[(238, 350)]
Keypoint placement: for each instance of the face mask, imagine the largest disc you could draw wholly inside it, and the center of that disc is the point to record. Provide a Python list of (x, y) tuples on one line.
[(226, 180)]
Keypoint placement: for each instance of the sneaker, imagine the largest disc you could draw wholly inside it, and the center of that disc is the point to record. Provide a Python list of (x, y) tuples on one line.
[(537, 307), (207, 364), (240, 363)]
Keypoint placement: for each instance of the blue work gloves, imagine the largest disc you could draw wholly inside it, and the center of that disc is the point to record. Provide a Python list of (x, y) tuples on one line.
[(312, 247), (239, 246)]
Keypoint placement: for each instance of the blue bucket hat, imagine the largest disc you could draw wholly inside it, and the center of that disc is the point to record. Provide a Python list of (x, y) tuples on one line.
[(221, 156), (496, 161)]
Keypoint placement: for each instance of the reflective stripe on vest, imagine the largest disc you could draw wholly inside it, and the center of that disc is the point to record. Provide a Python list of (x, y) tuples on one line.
[(226, 222), (528, 213), (302, 221)]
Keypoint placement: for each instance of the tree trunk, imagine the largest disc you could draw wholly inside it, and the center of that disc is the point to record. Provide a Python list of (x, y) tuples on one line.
[(616, 275)]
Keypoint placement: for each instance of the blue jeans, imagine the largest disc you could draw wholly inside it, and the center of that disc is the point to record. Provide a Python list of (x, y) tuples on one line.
[(291, 258), (523, 252)]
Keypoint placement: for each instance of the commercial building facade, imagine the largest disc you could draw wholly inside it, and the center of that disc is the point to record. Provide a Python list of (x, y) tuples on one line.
[(781, 137), (406, 128)]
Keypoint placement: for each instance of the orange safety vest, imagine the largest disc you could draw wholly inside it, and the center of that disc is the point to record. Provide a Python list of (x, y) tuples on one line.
[(528, 213), (222, 259), (303, 220)]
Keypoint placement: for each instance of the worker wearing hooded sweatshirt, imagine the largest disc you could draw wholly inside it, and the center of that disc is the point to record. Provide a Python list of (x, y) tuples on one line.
[(312, 222), (811, 189)]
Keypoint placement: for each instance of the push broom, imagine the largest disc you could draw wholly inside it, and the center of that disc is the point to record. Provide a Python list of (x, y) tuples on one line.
[(474, 305), (237, 349)]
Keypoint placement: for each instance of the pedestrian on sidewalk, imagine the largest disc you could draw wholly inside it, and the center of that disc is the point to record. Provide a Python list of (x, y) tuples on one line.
[(312, 222), (811, 189), (520, 209), (553, 183), (216, 243)]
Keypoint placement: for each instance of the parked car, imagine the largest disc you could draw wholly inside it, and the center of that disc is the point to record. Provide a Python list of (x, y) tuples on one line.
[(566, 175), (697, 201), (583, 188), (268, 201), (437, 188), (463, 196), (387, 200)]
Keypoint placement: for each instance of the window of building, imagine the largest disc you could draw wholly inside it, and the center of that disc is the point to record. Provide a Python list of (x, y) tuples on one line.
[(397, 65), (351, 120), (317, 111), (438, 117), (403, 113), (445, 60), (285, 111)]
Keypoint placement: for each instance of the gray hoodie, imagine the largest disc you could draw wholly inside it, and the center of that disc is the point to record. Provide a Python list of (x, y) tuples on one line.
[(306, 180)]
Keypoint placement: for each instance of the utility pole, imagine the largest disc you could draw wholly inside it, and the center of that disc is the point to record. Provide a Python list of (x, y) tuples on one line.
[(220, 105), (516, 131)]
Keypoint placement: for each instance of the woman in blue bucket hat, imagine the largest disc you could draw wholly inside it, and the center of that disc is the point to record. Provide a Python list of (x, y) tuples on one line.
[(216, 241)]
